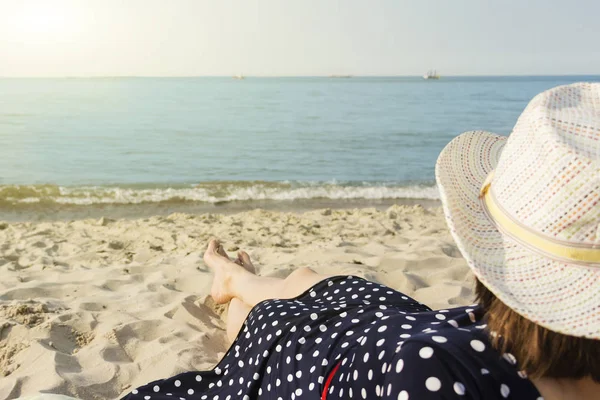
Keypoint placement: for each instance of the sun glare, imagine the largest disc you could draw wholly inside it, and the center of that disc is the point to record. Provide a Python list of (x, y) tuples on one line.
[(44, 23)]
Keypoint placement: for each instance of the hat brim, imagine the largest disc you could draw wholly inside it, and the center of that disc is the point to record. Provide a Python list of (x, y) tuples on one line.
[(562, 297)]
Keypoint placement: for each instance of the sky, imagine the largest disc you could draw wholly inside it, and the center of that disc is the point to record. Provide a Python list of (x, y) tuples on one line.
[(57, 38)]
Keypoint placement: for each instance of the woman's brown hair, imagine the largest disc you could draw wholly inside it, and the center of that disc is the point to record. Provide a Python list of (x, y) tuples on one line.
[(540, 352)]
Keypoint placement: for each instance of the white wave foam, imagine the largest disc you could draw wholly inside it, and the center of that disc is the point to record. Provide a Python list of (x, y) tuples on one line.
[(231, 192)]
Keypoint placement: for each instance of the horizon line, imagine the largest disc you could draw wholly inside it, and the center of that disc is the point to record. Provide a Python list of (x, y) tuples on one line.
[(340, 76)]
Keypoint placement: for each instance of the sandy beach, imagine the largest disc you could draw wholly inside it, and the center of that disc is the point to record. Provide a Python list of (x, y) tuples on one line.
[(93, 308)]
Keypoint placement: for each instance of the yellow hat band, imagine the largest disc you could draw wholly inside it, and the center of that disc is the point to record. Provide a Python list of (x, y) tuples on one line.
[(559, 250)]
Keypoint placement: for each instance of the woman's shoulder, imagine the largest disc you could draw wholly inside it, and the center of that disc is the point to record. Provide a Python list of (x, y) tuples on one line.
[(457, 360)]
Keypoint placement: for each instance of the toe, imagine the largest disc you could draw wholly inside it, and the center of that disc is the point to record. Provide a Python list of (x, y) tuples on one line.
[(222, 252), (242, 255), (211, 249), (213, 245), (246, 262)]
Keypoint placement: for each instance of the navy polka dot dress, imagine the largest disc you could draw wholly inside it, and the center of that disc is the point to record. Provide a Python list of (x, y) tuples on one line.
[(348, 338)]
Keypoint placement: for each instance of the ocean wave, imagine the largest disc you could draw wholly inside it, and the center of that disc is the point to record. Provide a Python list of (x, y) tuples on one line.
[(212, 192)]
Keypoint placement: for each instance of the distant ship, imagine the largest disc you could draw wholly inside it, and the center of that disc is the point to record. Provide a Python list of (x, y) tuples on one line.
[(239, 76), (340, 76), (431, 75)]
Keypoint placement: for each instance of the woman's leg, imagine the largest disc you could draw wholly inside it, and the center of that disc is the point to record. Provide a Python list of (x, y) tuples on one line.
[(232, 280), (236, 315)]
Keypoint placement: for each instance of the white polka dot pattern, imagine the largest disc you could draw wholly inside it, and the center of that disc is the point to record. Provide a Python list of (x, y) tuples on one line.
[(376, 352)]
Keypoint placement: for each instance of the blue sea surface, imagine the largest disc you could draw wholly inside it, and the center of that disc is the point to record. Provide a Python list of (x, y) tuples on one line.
[(132, 140)]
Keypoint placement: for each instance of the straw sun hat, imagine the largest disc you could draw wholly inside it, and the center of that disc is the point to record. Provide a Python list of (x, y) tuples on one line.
[(525, 210)]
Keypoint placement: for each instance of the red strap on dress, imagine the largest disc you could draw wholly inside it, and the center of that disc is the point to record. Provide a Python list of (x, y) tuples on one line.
[(328, 381)]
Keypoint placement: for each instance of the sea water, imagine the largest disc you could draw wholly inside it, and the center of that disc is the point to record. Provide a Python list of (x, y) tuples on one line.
[(110, 141)]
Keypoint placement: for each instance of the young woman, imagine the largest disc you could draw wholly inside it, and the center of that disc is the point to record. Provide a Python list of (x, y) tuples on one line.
[(525, 213)]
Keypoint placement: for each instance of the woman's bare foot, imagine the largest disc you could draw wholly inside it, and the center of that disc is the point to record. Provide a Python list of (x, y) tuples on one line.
[(225, 271), (244, 260)]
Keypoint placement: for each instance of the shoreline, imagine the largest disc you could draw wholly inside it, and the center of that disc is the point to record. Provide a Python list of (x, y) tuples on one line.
[(36, 212)]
